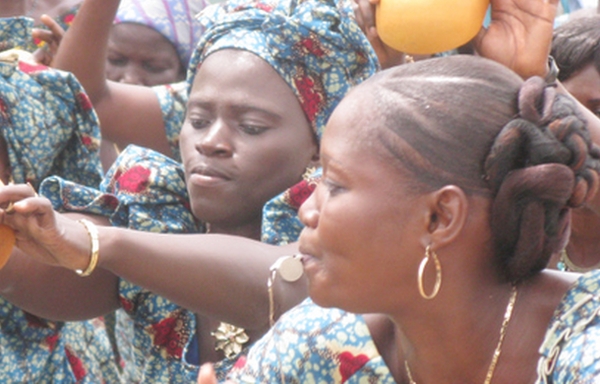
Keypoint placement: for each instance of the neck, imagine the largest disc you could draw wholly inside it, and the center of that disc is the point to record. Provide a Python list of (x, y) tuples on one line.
[(584, 242), (431, 349)]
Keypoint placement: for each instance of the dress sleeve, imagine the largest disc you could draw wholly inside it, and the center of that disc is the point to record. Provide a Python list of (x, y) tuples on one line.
[(310, 344), (173, 101), (571, 349)]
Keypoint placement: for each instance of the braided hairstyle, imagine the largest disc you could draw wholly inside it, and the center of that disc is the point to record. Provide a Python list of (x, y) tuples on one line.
[(470, 122)]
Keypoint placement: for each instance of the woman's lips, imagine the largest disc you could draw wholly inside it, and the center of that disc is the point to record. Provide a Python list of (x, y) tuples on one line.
[(207, 176)]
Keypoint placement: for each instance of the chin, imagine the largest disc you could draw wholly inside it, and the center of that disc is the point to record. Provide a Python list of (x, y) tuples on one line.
[(346, 302)]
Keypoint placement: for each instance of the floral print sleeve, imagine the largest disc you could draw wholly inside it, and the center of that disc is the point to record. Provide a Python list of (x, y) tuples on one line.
[(146, 191), (310, 344), (50, 128), (571, 349)]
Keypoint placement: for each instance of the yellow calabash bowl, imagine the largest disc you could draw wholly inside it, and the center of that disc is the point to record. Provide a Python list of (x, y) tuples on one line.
[(7, 242), (429, 26)]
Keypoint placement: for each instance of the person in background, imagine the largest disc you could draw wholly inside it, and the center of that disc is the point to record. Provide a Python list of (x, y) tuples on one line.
[(47, 127), (151, 42), (576, 51), (263, 81)]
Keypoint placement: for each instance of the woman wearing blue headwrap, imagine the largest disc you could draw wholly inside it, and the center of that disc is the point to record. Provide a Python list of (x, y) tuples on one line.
[(234, 271), (263, 81)]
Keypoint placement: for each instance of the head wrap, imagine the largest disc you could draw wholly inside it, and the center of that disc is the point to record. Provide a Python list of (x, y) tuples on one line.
[(315, 45), (46, 118), (174, 19)]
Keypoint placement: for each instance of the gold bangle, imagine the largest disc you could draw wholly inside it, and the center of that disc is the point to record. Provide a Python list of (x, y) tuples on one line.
[(92, 231)]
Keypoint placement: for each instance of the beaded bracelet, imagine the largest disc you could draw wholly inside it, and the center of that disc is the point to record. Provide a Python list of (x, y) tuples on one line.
[(92, 231)]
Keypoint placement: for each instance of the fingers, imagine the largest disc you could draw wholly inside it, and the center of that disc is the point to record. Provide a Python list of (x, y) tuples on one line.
[(42, 35), (54, 27), (47, 40), (365, 16), (207, 374), (21, 198)]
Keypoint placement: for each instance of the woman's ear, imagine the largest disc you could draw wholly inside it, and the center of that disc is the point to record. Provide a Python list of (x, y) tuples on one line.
[(448, 214)]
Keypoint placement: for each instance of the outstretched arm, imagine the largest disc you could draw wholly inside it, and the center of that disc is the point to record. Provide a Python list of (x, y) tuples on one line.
[(224, 277), (128, 114)]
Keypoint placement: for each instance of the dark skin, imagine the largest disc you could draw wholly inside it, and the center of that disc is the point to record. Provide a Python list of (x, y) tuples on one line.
[(472, 302), (519, 37), (513, 21), (230, 141), (128, 114), (446, 205), (140, 55)]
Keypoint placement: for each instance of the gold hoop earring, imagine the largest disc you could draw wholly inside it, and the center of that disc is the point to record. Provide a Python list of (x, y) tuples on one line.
[(438, 274)]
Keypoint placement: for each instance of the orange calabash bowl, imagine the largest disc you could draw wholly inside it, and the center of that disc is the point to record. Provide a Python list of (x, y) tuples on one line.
[(429, 26), (7, 243)]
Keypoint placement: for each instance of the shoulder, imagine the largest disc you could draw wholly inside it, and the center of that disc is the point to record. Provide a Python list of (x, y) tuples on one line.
[(314, 344), (571, 349)]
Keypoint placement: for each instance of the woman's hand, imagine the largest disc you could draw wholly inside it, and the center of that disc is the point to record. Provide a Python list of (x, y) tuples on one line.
[(364, 11), (207, 375), (519, 35), (42, 233), (51, 39)]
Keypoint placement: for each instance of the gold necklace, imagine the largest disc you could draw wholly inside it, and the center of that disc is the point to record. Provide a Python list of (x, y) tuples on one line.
[(496, 355)]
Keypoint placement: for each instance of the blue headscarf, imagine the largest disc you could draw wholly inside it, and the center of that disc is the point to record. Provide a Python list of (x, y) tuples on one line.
[(315, 46)]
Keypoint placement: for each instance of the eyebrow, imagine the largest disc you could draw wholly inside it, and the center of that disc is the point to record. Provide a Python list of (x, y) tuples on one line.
[(238, 108)]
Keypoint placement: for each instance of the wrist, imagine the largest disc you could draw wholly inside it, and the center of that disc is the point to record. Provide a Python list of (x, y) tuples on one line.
[(94, 253)]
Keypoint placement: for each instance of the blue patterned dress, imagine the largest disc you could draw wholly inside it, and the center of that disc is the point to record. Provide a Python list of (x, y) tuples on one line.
[(143, 190), (310, 344), (50, 128)]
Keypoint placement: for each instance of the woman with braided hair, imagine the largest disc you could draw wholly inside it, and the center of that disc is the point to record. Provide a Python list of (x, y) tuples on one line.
[(441, 201)]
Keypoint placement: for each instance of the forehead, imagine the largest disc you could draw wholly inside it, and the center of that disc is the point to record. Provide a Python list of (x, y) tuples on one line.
[(354, 119), (232, 69), (136, 35)]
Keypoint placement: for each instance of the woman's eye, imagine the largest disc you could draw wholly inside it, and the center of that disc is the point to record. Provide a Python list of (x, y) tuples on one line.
[(154, 68), (199, 123), (332, 187), (253, 129), (117, 61)]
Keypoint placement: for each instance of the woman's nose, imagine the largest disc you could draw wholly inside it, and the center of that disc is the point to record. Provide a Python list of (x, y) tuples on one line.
[(216, 140), (308, 212), (132, 76)]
